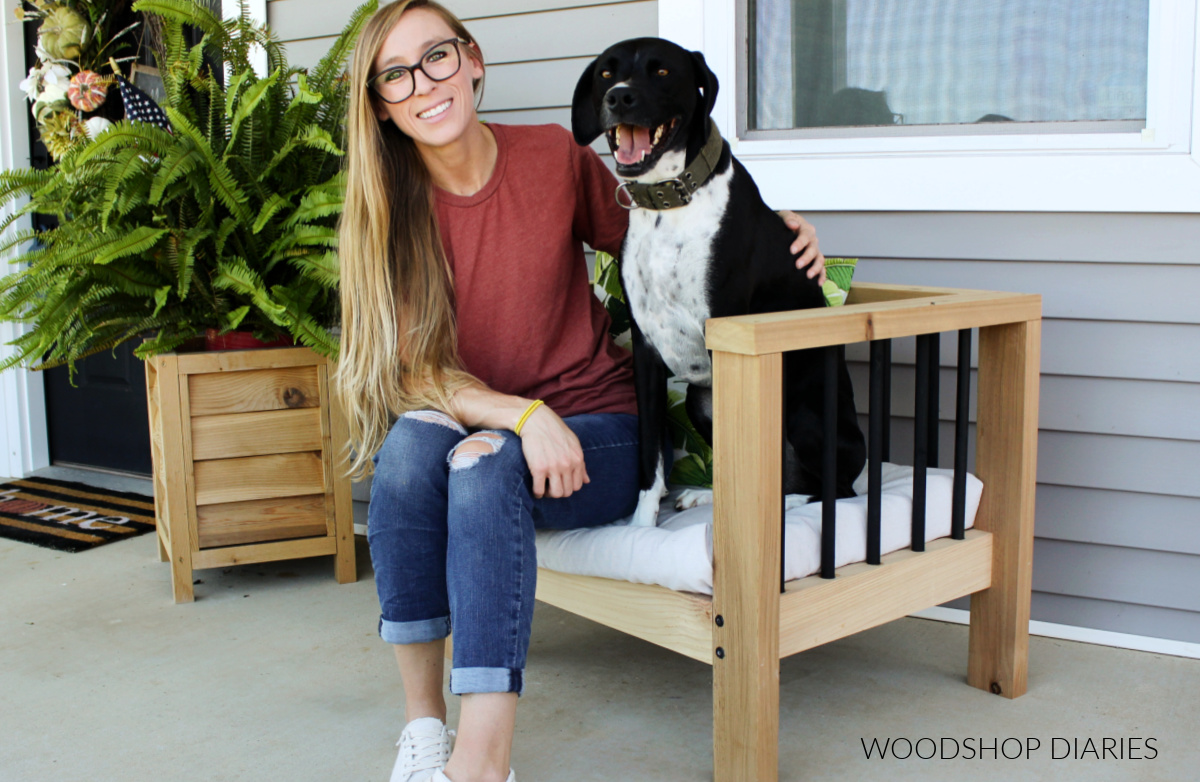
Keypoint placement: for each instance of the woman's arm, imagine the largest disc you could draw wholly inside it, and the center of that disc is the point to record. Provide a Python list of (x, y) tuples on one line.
[(552, 451)]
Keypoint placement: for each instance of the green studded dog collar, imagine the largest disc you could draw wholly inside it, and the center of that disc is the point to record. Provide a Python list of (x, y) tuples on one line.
[(677, 191)]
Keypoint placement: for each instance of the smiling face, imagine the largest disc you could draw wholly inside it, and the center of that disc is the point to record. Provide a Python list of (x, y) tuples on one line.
[(644, 95), (438, 113)]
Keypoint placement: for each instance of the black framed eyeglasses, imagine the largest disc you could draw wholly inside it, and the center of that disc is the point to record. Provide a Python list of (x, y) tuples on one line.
[(438, 63)]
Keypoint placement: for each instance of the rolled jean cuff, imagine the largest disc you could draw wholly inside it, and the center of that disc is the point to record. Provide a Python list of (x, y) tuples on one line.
[(417, 632), (469, 680)]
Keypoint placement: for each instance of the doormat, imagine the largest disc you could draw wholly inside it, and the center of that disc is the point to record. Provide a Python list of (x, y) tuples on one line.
[(70, 516)]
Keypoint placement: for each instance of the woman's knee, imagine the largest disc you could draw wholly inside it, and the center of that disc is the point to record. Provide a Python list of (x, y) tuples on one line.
[(488, 460), (414, 451)]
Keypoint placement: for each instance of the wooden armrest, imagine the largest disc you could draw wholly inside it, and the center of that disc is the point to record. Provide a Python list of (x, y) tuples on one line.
[(873, 311)]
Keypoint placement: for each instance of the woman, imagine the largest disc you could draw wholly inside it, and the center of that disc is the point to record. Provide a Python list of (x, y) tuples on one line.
[(467, 313)]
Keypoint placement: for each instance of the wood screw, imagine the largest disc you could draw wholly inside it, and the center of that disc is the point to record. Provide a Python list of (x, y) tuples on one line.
[(720, 620), (720, 653), (995, 688)]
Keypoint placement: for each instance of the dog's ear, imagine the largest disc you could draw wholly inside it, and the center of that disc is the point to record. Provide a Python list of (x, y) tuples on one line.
[(706, 82), (585, 122)]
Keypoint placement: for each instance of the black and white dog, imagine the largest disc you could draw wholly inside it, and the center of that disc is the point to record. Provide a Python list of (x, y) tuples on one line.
[(701, 244)]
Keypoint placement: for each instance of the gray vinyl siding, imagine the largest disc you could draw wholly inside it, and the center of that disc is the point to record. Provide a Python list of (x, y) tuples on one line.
[(535, 50), (1118, 506), (1118, 509)]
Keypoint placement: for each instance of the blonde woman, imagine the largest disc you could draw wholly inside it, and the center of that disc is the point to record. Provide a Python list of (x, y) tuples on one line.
[(480, 383)]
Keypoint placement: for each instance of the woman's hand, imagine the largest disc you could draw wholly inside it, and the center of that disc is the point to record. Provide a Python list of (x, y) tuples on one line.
[(552, 451), (806, 245), (553, 455)]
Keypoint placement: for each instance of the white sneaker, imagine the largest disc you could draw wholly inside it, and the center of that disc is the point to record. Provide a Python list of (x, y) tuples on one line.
[(424, 750), (440, 777)]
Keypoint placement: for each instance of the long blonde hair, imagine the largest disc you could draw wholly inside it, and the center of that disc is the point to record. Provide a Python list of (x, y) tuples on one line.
[(399, 347)]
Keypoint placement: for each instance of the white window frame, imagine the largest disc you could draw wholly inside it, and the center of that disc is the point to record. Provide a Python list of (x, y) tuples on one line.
[(1154, 170)]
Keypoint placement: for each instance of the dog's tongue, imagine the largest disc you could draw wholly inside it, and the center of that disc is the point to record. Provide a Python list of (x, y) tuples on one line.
[(634, 141)]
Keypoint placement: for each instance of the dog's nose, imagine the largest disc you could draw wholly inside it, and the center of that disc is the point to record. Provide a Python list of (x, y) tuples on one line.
[(620, 98)]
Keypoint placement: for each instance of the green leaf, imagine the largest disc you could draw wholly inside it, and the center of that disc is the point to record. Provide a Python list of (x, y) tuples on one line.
[(692, 471), (249, 102), (219, 176), (317, 204), (303, 94), (178, 162), (136, 241), (160, 299), (192, 13), (237, 276), (232, 89), (269, 209), (325, 268), (150, 139), (233, 318)]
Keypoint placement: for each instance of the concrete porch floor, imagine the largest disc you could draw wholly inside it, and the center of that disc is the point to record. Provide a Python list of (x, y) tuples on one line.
[(276, 672)]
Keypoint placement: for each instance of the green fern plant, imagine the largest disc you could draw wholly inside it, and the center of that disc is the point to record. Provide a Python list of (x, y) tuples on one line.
[(228, 221)]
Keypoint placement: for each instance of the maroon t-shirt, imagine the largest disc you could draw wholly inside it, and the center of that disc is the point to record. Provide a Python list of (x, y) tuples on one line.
[(528, 321)]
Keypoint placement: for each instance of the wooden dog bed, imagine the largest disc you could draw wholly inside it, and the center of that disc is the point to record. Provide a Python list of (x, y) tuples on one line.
[(749, 623)]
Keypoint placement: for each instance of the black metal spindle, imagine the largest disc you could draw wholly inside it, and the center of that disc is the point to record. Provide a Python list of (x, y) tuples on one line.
[(829, 466), (958, 510), (935, 361), (887, 400), (920, 444), (875, 454)]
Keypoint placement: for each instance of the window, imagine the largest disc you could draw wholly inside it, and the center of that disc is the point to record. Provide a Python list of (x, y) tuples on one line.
[(1086, 106), (872, 63)]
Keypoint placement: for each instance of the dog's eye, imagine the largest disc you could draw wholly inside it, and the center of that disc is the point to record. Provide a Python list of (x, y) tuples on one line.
[(662, 71), (606, 74)]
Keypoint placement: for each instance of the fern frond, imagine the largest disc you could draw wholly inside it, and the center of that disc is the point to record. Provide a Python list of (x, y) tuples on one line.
[(136, 241), (323, 267), (269, 210), (150, 139), (249, 102), (18, 182), (219, 176), (317, 204), (334, 62), (183, 12), (235, 275), (178, 162)]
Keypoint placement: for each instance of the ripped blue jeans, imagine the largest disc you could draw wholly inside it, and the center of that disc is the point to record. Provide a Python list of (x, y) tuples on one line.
[(452, 537)]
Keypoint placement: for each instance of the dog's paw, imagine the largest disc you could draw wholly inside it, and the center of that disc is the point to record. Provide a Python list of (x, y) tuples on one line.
[(646, 514), (690, 498), (792, 501)]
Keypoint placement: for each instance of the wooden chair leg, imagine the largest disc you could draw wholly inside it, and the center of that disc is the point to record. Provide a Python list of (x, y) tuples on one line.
[(1006, 462), (748, 431)]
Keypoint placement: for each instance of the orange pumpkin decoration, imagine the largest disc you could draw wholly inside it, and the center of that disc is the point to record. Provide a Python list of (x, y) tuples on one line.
[(88, 90)]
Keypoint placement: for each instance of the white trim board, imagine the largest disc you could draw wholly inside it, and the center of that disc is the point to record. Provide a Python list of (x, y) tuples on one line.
[(1155, 170), (23, 441), (1087, 635)]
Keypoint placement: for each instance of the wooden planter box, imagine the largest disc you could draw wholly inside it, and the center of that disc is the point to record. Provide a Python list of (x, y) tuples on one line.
[(248, 461)]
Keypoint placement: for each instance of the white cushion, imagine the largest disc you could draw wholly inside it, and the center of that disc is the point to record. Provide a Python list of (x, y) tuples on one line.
[(677, 553)]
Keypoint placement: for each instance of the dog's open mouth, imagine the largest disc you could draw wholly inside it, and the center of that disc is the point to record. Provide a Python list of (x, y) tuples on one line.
[(635, 146)]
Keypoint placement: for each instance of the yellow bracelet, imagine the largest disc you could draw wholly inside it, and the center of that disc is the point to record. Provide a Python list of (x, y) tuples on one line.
[(525, 416)]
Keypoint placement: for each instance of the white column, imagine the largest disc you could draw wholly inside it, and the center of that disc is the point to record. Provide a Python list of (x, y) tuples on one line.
[(23, 443)]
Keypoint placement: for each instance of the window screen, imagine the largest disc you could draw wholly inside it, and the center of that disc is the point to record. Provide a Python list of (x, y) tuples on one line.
[(838, 63)]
